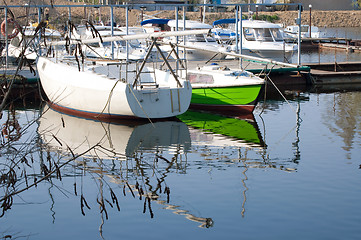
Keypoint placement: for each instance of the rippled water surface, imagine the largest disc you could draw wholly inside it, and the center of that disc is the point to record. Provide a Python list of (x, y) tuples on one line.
[(291, 172)]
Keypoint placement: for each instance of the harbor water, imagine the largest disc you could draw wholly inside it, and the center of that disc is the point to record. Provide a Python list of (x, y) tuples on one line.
[(290, 171)]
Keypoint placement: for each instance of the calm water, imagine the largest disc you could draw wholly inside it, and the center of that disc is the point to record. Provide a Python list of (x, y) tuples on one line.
[(291, 172), (330, 55)]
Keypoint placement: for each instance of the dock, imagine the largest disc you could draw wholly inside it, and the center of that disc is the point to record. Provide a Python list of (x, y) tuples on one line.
[(24, 73), (306, 74), (335, 73), (344, 44)]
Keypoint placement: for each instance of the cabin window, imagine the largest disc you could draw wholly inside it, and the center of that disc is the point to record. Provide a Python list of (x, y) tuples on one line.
[(195, 78), (304, 29), (277, 35), (134, 43), (94, 44), (263, 34), (249, 34), (196, 38)]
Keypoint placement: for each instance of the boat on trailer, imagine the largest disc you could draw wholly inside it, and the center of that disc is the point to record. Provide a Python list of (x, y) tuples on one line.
[(114, 89)]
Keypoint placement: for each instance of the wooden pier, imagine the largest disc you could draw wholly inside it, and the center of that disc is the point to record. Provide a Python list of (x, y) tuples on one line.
[(335, 73), (344, 44)]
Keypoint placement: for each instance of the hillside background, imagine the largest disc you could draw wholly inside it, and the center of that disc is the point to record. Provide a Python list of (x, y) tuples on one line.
[(59, 16)]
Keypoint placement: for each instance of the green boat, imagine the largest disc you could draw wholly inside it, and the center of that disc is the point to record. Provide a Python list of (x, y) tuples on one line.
[(220, 89)]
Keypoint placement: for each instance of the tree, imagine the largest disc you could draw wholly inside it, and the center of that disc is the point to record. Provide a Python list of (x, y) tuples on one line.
[(356, 4)]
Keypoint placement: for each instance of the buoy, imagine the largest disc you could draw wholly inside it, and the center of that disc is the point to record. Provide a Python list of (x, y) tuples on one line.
[(16, 30)]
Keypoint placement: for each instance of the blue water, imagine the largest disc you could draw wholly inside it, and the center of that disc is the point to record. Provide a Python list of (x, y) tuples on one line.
[(304, 184)]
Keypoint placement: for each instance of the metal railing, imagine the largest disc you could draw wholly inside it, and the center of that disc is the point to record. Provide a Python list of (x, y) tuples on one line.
[(236, 8)]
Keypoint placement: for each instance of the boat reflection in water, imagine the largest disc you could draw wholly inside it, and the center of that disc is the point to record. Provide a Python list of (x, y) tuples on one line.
[(143, 149), (112, 140), (225, 131), (191, 156)]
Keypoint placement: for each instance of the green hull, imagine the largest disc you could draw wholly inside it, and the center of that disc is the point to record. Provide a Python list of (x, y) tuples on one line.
[(238, 95)]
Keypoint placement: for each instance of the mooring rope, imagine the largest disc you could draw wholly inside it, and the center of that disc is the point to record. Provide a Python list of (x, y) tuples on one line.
[(279, 91)]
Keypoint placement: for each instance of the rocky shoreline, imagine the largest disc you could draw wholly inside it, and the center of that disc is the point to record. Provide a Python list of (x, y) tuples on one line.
[(318, 18), (59, 16), (322, 18)]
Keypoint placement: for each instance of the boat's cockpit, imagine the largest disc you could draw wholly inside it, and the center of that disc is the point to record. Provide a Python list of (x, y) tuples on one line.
[(263, 34)]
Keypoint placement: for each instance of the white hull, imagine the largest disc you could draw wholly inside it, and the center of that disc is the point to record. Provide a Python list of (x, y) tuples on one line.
[(95, 92), (277, 55), (198, 54)]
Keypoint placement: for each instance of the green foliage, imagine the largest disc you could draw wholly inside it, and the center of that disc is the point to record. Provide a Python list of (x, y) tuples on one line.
[(356, 3), (268, 18)]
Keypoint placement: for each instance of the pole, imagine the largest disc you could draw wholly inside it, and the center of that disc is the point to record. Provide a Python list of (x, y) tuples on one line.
[(176, 38), (184, 28), (112, 28), (240, 32), (6, 38), (310, 19), (69, 22), (257, 12), (204, 10), (39, 36), (237, 30), (127, 29), (299, 34)]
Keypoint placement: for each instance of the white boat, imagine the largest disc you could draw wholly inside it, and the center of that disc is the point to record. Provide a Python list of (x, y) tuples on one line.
[(259, 38), (103, 91), (205, 43), (105, 49), (118, 140), (29, 43), (292, 32)]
